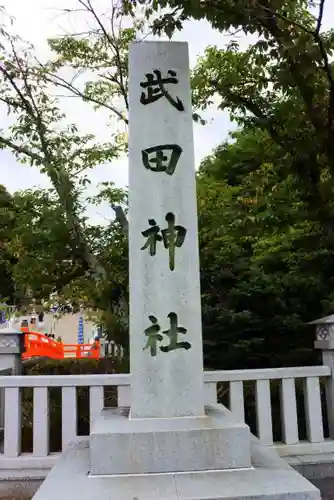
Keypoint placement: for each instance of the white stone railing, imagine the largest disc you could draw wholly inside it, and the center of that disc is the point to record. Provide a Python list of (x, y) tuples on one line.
[(13, 463), (308, 378)]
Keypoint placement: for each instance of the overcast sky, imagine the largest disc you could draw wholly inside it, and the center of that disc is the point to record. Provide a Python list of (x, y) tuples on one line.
[(37, 20)]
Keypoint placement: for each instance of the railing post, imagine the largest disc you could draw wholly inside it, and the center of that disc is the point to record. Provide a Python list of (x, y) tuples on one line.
[(325, 342), (210, 389), (103, 346), (11, 349), (123, 395)]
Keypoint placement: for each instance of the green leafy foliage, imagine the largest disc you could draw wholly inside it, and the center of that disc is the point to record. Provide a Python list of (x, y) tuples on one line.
[(54, 247), (7, 260), (265, 198), (266, 265), (39, 254)]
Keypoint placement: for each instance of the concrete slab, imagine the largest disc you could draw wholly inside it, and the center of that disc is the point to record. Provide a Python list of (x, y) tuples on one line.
[(260, 484), (121, 445), (70, 480)]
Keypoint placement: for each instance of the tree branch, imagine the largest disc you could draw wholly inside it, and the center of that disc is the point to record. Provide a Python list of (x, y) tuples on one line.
[(118, 56), (121, 218), (253, 108), (320, 16), (315, 34), (34, 111), (113, 44), (306, 92), (21, 149), (61, 82), (25, 103), (300, 80), (60, 180)]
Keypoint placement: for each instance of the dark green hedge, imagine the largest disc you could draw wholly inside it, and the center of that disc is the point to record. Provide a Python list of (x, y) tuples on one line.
[(71, 366)]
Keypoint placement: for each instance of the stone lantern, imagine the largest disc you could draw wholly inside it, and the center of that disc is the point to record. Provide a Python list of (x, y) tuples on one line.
[(324, 332), (325, 342), (11, 349)]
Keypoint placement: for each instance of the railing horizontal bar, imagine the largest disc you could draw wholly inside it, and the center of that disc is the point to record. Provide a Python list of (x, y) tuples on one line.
[(306, 448), (28, 460), (125, 378), (65, 380), (267, 374)]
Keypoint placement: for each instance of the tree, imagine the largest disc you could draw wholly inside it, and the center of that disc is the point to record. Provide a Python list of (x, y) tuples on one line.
[(35, 138), (99, 57), (41, 244), (39, 255), (266, 267), (283, 83), (7, 220), (264, 245), (37, 134), (255, 245)]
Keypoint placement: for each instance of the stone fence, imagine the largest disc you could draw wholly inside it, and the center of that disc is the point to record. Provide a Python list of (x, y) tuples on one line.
[(232, 385)]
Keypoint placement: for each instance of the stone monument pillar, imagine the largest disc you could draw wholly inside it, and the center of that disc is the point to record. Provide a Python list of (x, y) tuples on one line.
[(167, 428), (165, 300)]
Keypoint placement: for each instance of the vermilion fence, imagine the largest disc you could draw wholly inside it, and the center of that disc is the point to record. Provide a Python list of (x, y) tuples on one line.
[(38, 345)]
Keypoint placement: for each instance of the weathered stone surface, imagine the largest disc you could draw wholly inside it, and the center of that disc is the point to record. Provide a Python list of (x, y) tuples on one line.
[(119, 445), (70, 480), (168, 384), (11, 347)]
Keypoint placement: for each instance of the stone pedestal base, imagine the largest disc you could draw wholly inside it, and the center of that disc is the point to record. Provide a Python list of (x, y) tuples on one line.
[(270, 478), (120, 445)]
